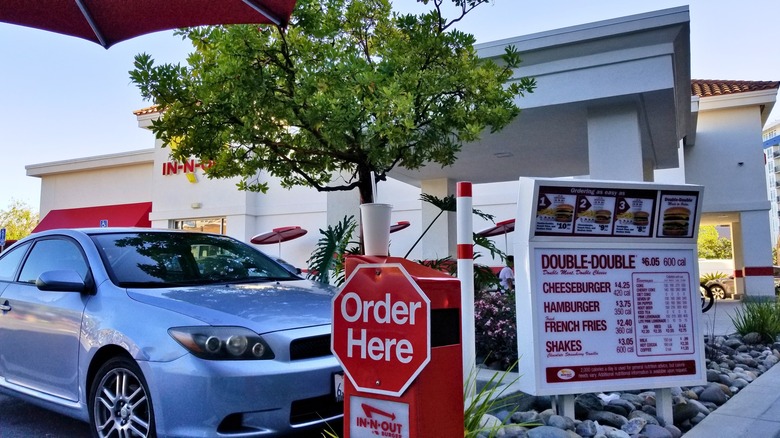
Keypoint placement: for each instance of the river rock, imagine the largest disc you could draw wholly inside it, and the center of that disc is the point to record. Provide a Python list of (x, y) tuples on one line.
[(548, 432), (586, 429), (656, 431), (683, 412), (608, 418), (585, 403), (713, 393)]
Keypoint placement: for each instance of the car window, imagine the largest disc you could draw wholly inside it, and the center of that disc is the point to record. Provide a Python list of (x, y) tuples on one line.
[(52, 255), (159, 259), (10, 261)]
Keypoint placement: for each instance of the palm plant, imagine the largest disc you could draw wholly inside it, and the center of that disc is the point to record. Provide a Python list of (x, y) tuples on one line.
[(446, 204), (326, 263)]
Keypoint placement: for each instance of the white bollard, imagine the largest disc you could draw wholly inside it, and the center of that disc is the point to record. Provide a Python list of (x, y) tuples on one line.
[(465, 240)]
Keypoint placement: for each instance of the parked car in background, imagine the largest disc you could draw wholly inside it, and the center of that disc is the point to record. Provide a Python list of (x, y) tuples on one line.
[(776, 274), (156, 332), (721, 287)]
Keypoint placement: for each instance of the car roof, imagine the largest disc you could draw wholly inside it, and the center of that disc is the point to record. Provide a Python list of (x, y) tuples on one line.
[(111, 230)]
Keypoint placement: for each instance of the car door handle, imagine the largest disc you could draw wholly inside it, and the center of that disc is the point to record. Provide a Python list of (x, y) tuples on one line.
[(5, 307)]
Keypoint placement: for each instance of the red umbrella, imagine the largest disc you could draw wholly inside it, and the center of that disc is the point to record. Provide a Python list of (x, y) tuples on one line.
[(108, 22), (500, 228), (399, 226), (503, 227), (279, 235)]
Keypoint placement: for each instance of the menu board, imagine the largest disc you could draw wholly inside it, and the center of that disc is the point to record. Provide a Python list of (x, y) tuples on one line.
[(615, 313), (609, 296), (677, 210), (600, 212)]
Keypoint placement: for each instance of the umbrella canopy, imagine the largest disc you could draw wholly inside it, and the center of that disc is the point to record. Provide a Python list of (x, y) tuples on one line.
[(500, 228), (279, 235), (399, 226), (503, 227), (108, 22)]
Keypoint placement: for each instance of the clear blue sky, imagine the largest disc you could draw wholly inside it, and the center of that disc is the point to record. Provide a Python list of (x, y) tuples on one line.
[(64, 98)]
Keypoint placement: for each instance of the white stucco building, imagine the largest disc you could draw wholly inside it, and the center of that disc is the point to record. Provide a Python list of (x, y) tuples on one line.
[(771, 136), (614, 101)]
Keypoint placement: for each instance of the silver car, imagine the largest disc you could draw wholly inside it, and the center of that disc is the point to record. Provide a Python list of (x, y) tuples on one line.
[(146, 333)]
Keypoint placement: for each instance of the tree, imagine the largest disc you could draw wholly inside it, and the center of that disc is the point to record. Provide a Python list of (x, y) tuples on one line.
[(19, 219), (348, 88), (711, 245)]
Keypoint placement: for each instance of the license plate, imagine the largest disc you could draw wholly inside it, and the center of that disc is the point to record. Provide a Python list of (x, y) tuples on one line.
[(338, 387)]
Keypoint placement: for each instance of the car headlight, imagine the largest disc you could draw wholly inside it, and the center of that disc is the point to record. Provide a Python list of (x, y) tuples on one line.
[(222, 343)]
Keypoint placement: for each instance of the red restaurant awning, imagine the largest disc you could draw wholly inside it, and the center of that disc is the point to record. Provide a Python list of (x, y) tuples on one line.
[(121, 215)]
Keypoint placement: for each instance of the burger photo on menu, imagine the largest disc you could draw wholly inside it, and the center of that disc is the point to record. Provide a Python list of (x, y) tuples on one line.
[(564, 213), (603, 216), (675, 221), (641, 218)]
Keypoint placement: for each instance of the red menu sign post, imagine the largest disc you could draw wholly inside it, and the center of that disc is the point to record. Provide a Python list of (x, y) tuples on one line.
[(397, 333)]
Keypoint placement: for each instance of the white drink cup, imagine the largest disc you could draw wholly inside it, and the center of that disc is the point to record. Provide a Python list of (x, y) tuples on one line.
[(375, 219)]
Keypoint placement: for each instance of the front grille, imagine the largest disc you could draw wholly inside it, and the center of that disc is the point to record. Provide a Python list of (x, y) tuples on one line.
[(307, 348), (315, 409)]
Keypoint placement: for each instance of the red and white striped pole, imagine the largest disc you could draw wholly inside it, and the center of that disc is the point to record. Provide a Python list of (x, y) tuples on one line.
[(465, 232)]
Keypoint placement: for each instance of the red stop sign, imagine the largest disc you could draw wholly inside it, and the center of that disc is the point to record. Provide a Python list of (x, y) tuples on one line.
[(381, 328)]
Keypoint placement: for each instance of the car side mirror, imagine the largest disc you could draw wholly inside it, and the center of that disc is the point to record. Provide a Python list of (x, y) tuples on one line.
[(61, 281)]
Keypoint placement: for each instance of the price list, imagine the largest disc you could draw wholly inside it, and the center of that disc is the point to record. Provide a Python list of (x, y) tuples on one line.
[(606, 312), (624, 320), (663, 306)]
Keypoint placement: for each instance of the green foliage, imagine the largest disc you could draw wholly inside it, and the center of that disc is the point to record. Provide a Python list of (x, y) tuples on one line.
[(712, 276), (495, 326), (449, 204), (18, 219), (711, 246), (490, 398), (762, 317), (326, 263), (348, 87), (484, 277)]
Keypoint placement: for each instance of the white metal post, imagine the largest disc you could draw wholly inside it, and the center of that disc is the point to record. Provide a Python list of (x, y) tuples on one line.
[(465, 232)]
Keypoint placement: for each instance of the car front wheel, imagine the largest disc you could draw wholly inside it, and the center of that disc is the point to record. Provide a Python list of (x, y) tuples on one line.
[(119, 402), (718, 291)]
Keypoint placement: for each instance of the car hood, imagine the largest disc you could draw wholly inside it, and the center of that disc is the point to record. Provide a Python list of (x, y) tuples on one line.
[(262, 307)]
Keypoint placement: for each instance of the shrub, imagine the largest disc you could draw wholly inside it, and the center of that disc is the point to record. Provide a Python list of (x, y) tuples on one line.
[(712, 276), (488, 399), (762, 317), (496, 328)]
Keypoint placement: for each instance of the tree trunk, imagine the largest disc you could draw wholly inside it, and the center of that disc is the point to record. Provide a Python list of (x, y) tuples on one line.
[(365, 186)]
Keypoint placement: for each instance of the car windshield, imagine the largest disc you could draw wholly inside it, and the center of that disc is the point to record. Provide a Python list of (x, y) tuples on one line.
[(160, 259)]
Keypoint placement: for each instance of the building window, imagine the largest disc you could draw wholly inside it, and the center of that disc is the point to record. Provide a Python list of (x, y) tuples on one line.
[(214, 225)]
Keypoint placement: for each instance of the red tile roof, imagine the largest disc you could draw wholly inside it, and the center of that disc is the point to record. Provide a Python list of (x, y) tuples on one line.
[(148, 110), (710, 87)]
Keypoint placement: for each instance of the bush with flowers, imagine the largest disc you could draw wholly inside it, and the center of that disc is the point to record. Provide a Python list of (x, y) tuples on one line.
[(496, 329)]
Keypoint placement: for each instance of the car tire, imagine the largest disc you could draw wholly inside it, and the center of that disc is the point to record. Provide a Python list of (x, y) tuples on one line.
[(718, 292), (119, 401), (707, 300)]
